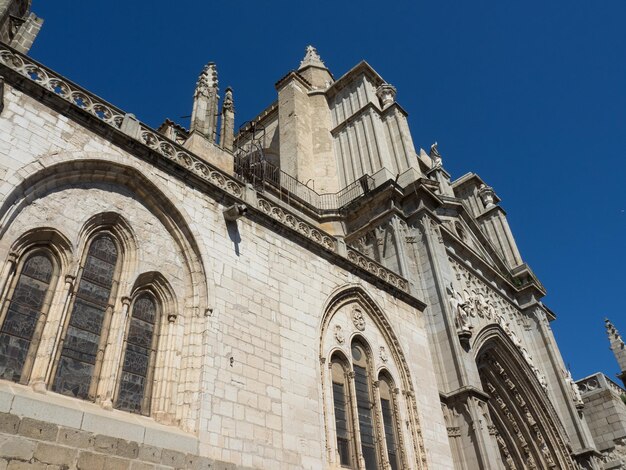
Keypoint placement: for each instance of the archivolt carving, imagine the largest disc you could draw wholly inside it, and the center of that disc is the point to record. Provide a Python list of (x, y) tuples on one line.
[(524, 416)]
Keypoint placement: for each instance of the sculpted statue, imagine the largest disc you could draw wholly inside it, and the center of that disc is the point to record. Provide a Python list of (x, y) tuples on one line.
[(576, 396), (460, 309), (436, 156)]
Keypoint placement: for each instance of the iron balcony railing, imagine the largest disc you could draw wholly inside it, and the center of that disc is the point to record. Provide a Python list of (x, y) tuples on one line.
[(253, 168)]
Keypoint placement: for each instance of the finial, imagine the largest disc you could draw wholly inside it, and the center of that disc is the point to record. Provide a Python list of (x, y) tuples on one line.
[(207, 79), (487, 195), (311, 58), (387, 94), (228, 103)]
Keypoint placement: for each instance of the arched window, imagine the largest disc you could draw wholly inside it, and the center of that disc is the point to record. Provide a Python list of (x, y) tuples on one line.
[(21, 325), (387, 408), (364, 403), (83, 341), (138, 364), (343, 412)]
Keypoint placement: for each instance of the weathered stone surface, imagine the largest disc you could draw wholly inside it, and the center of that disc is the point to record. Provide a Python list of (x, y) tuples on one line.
[(15, 447), (36, 429), (55, 454)]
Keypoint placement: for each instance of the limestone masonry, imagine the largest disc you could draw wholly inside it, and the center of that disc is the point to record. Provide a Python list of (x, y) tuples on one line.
[(306, 292)]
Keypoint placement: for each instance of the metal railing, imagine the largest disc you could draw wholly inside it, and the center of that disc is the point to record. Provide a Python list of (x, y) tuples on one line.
[(253, 168)]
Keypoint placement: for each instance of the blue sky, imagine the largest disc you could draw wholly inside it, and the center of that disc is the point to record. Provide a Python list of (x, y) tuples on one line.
[(529, 95)]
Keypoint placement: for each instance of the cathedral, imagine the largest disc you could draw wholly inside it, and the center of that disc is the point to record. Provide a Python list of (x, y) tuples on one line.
[(305, 291)]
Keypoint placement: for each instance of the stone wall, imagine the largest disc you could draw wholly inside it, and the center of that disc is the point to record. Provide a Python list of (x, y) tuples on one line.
[(242, 368)]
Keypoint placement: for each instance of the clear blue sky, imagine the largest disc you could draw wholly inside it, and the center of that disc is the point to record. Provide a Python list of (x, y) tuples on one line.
[(530, 95)]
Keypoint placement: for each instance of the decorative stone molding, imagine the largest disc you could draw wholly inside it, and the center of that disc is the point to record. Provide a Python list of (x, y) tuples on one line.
[(387, 94), (358, 319), (115, 117), (297, 224), (487, 195), (378, 270)]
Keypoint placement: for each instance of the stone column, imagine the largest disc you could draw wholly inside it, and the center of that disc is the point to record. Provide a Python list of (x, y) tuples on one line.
[(6, 278), (57, 329), (163, 372), (112, 357), (227, 130)]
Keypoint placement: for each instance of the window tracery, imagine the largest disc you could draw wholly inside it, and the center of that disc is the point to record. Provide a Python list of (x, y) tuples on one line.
[(78, 362), (21, 316), (138, 363)]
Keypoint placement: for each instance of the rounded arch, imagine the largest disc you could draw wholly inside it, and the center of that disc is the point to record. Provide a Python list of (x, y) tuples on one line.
[(355, 294), (528, 430), (80, 168)]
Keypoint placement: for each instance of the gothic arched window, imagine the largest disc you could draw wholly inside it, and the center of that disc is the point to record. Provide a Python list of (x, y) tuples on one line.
[(138, 364), (21, 325), (343, 412), (364, 404), (387, 408), (83, 342)]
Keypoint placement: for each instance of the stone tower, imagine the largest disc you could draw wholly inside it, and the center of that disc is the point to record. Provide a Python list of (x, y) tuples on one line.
[(618, 348)]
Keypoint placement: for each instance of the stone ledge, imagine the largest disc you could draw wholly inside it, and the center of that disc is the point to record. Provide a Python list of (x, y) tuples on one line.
[(58, 410)]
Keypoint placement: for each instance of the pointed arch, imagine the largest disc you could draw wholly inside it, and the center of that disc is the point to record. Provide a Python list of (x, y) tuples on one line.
[(354, 295), (528, 430)]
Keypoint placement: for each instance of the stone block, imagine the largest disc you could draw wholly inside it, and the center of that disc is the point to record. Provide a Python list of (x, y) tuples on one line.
[(75, 438), (19, 465), (116, 463), (149, 453), (15, 447), (99, 424), (90, 461), (174, 440), (39, 409), (127, 449), (55, 454), (36, 429), (9, 423), (135, 465), (173, 458), (195, 462), (6, 400)]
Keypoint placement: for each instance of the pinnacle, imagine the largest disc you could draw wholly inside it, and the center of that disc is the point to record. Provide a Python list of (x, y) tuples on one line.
[(311, 58), (208, 77)]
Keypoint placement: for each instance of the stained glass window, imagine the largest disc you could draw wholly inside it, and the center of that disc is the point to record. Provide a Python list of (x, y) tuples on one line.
[(137, 357), (82, 339), (24, 310)]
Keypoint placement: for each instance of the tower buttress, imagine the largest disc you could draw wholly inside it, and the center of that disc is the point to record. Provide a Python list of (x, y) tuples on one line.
[(205, 103), (618, 348)]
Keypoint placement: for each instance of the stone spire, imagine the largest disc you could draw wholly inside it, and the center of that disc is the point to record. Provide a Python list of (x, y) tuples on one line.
[(311, 58), (205, 103), (314, 71), (618, 348), (227, 129)]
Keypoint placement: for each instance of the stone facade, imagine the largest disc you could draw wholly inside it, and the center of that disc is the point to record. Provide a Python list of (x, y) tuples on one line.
[(322, 294)]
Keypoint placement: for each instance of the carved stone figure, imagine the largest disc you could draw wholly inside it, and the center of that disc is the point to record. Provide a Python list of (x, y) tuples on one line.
[(460, 309), (576, 396), (358, 319), (339, 336), (436, 156)]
